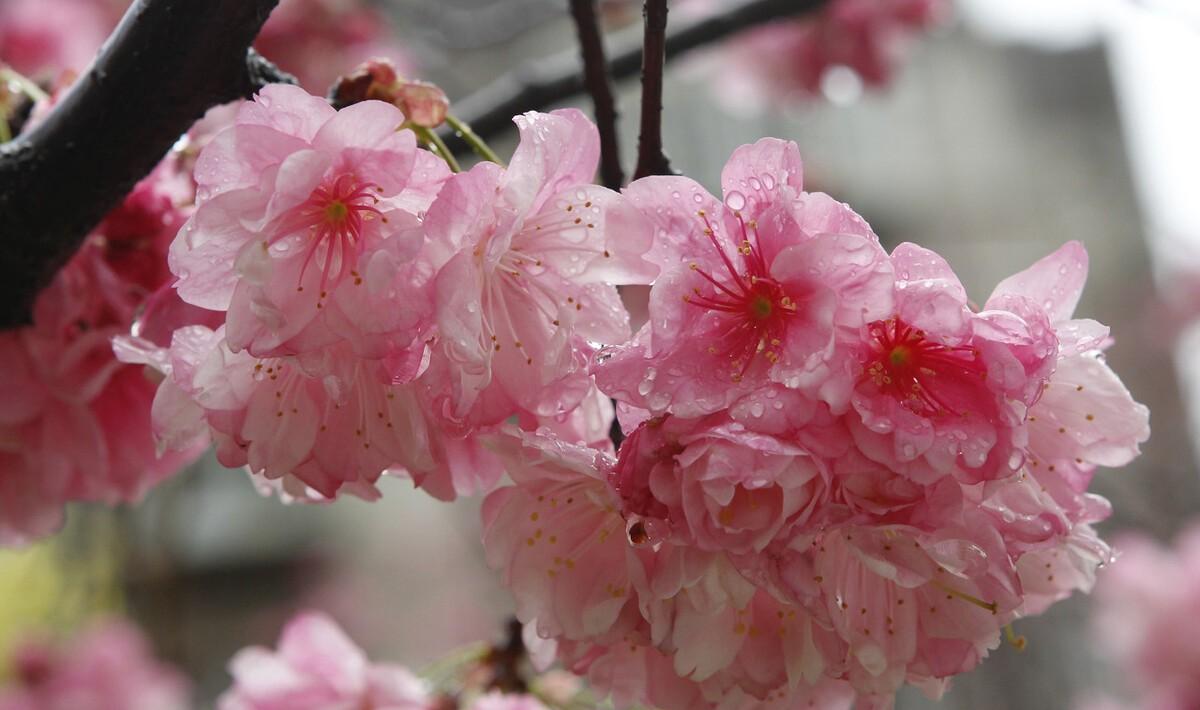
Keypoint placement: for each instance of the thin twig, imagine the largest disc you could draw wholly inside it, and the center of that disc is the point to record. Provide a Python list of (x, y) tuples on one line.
[(651, 158), (165, 65), (546, 81), (599, 86)]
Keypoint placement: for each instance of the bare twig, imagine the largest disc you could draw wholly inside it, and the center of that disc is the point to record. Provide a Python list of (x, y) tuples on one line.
[(651, 158), (166, 63), (599, 86), (543, 82)]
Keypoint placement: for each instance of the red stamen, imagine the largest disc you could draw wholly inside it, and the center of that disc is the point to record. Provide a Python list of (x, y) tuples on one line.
[(335, 215), (909, 367), (755, 306)]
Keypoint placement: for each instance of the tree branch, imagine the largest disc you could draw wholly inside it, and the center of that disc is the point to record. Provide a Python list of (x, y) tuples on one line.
[(651, 158), (548, 80), (165, 64), (599, 85)]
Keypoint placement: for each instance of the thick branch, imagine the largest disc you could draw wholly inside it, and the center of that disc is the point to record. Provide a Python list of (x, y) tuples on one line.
[(599, 85), (651, 158), (166, 63), (543, 82)]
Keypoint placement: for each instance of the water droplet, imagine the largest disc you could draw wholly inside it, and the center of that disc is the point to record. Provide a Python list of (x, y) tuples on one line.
[(768, 181), (735, 200)]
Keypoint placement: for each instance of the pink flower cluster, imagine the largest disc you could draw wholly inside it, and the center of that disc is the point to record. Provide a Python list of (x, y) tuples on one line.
[(74, 421), (1146, 619), (44, 37), (791, 58), (317, 667), (839, 476), (107, 667), (317, 40), (379, 314)]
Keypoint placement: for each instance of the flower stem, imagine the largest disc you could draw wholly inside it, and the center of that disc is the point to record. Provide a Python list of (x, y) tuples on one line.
[(481, 148), (440, 670), (27, 87), (438, 146)]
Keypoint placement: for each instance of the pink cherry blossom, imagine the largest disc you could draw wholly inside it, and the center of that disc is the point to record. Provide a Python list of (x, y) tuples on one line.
[(75, 422), (934, 383), (106, 667), (789, 59), (1145, 619), (302, 230), (527, 261), (717, 486), (321, 425), (680, 573), (772, 281), (585, 574), (317, 667), (45, 37)]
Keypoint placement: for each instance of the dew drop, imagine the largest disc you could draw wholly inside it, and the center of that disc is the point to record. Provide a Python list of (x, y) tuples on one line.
[(735, 200)]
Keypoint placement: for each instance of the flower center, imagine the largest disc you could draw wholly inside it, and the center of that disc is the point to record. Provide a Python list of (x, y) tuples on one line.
[(926, 377), (336, 211), (334, 217), (752, 306), (761, 307)]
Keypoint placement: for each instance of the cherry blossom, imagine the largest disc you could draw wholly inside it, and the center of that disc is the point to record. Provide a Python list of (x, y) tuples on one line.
[(527, 261), (773, 280), (108, 666), (317, 667), (790, 59), (871, 503), (75, 422), (301, 229), (1145, 618), (45, 37)]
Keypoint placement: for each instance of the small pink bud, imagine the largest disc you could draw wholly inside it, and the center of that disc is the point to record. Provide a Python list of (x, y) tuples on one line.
[(424, 104)]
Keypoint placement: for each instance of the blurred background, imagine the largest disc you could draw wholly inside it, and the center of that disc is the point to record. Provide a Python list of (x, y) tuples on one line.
[(1011, 127)]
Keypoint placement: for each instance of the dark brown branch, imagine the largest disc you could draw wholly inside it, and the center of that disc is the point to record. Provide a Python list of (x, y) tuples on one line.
[(541, 83), (599, 86), (651, 158), (166, 63)]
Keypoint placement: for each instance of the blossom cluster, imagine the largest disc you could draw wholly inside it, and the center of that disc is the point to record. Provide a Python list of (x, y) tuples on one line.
[(75, 421), (316, 40), (1146, 621), (839, 475), (108, 666), (867, 36), (374, 313), (317, 667)]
